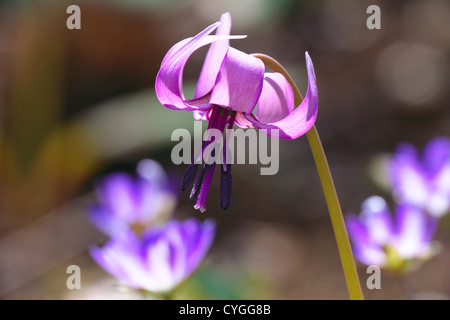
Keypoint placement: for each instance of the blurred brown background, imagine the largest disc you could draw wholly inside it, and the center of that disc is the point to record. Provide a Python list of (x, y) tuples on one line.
[(77, 104)]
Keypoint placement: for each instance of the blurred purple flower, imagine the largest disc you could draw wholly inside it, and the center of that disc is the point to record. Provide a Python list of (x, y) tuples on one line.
[(126, 202), (423, 180), (161, 258), (395, 245), (230, 85)]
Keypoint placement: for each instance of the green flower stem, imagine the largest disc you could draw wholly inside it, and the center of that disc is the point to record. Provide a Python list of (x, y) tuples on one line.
[(337, 220)]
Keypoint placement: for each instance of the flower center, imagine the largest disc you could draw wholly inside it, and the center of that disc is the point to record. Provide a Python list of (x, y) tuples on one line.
[(138, 228), (394, 261)]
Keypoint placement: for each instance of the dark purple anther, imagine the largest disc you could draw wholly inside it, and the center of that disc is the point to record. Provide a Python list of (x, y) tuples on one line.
[(189, 176), (226, 184)]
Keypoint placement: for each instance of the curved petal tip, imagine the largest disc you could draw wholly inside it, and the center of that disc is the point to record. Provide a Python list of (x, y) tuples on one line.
[(301, 119)]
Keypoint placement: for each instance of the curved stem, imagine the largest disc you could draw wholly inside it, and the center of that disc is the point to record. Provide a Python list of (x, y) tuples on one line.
[(337, 219)]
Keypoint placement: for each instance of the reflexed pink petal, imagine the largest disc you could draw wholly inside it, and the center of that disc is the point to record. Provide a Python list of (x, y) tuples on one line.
[(299, 121), (276, 100), (239, 82), (200, 115), (242, 121), (214, 58), (169, 81)]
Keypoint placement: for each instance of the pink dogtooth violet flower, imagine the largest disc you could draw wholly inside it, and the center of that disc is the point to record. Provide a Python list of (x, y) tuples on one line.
[(233, 87)]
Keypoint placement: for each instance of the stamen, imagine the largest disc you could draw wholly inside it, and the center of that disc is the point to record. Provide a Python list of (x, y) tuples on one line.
[(199, 182), (203, 196), (226, 184), (220, 117), (191, 171), (197, 185), (189, 176)]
